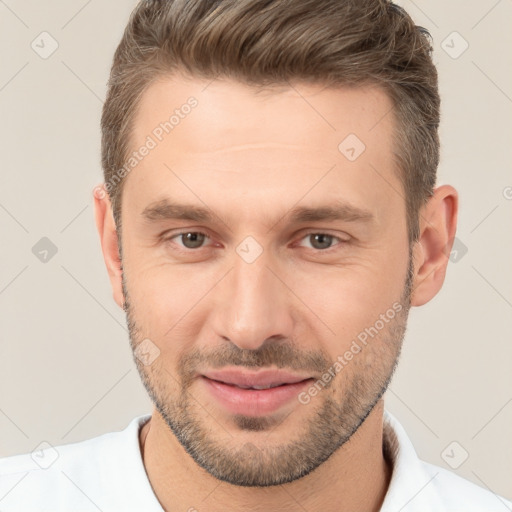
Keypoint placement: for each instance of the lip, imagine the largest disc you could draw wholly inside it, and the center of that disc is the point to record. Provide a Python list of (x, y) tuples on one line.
[(254, 402), (244, 378)]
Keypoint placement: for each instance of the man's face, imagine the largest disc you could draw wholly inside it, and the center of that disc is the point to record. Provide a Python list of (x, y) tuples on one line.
[(258, 286)]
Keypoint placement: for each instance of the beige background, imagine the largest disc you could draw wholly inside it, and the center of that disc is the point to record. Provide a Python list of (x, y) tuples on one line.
[(66, 368)]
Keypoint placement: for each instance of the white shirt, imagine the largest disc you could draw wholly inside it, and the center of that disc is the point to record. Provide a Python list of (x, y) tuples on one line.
[(106, 473)]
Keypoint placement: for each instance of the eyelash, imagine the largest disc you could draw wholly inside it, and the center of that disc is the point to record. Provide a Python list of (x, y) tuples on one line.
[(341, 241)]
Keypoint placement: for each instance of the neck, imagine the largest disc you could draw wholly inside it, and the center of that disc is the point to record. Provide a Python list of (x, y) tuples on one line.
[(355, 478)]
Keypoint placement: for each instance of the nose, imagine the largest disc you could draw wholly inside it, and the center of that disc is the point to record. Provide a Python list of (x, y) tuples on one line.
[(253, 304)]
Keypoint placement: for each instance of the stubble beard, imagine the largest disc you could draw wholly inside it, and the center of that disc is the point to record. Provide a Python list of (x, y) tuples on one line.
[(336, 413)]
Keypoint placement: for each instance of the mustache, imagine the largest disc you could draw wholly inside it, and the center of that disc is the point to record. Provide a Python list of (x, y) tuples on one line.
[(282, 354)]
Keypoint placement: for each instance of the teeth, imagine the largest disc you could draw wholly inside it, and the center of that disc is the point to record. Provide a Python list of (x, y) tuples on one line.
[(259, 387)]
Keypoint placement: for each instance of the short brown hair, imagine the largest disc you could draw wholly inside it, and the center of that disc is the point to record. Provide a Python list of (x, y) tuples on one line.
[(268, 43)]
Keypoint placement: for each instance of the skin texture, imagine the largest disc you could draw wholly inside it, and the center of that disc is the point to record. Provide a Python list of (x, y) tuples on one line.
[(250, 158)]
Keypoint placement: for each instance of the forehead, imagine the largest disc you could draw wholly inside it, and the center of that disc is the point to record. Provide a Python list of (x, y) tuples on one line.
[(309, 114), (223, 138)]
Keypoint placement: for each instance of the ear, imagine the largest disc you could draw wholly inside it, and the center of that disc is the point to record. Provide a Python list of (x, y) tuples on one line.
[(109, 241), (438, 223)]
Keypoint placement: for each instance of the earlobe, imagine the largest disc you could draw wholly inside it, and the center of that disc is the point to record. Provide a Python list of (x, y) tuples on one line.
[(109, 242), (438, 223)]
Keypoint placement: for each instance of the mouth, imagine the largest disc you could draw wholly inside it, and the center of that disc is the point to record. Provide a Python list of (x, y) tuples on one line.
[(240, 386), (262, 379), (254, 393)]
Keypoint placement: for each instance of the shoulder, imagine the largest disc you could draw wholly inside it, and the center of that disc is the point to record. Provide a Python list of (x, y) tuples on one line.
[(417, 486), (38, 480), (72, 475), (458, 494)]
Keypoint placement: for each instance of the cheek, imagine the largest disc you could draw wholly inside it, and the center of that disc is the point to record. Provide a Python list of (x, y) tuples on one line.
[(167, 299), (343, 302)]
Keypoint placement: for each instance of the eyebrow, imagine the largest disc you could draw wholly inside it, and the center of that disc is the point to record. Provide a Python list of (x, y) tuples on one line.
[(167, 210), (164, 209)]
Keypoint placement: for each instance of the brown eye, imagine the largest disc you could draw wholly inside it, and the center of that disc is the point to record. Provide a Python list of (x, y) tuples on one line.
[(321, 241), (191, 239)]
